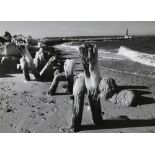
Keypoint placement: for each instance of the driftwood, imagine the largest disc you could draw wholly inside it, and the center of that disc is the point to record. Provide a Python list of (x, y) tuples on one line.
[(78, 101), (25, 69), (69, 67), (89, 56), (55, 83), (70, 80), (39, 59), (36, 73), (47, 72), (11, 49), (94, 100), (89, 80), (27, 63)]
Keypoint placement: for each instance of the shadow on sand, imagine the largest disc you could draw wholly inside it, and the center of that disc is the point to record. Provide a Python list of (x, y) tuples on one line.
[(132, 87), (61, 94), (139, 99), (142, 100), (7, 71), (114, 124), (5, 76)]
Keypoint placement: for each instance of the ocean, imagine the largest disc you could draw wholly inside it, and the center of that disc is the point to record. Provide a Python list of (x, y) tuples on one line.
[(134, 56)]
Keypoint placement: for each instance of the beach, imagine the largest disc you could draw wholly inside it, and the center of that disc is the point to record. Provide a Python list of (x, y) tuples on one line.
[(26, 107)]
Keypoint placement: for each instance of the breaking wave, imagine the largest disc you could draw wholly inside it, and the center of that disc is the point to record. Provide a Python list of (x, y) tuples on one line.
[(105, 54), (136, 56), (121, 53), (67, 46)]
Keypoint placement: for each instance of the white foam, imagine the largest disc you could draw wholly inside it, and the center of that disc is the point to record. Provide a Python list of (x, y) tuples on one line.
[(103, 51), (122, 54), (143, 58), (104, 54), (67, 46)]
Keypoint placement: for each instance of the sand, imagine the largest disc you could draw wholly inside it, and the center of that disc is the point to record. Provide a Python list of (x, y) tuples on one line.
[(26, 107)]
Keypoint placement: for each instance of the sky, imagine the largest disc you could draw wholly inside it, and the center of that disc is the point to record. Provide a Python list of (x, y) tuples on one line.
[(76, 28)]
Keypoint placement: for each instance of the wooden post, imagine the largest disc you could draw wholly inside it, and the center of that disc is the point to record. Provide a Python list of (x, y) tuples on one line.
[(94, 100), (36, 74), (77, 111), (78, 101), (47, 72), (23, 50), (25, 69), (70, 80), (89, 55), (55, 83)]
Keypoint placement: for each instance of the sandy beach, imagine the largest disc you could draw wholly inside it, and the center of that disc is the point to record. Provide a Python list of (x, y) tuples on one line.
[(26, 107)]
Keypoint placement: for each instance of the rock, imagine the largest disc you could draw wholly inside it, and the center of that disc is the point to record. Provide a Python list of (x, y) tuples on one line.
[(124, 98), (27, 131), (107, 88), (8, 109), (53, 101), (113, 99), (15, 93)]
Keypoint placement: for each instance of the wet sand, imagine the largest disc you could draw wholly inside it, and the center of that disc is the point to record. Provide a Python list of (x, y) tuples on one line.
[(26, 107)]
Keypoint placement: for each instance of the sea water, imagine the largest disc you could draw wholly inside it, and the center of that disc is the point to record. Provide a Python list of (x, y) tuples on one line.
[(133, 56), (136, 56)]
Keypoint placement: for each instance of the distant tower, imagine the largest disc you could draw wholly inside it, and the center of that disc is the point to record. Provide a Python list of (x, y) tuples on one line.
[(127, 34)]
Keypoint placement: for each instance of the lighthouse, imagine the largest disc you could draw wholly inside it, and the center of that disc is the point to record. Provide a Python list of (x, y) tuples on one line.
[(127, 34)]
